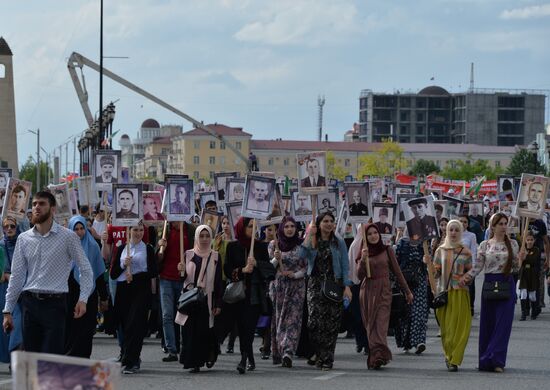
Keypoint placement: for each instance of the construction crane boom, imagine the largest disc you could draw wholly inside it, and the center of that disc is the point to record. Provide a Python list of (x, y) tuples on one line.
[(77, 60)]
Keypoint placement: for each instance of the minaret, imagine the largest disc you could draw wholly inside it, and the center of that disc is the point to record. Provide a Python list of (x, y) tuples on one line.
[(8, 136)]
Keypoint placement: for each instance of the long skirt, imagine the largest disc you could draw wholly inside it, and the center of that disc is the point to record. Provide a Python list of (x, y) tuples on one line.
[(455, 321), (323, 322), (411, 329), (199, 342), (288, 300), (495, 326)]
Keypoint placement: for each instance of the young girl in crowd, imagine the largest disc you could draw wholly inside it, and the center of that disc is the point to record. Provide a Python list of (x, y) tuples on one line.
[(528, 278)]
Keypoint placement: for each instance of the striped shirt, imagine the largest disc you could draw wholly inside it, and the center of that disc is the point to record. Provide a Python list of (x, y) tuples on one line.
[(42, 263)]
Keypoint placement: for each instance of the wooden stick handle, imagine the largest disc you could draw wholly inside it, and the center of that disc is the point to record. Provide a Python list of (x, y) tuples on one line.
[(161, 251), (364, 238), (128, 250), (182, 251), (431, 271), (104, 198), (251, 252)]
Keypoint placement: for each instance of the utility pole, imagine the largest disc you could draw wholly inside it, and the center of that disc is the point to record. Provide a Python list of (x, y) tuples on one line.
[(66, 159), (74, 154), (321, 103), (37, 133), (100, 116)]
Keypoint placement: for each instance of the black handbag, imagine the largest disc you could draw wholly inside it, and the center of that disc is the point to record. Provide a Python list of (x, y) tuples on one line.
[(399, 308), (332, 290), (234, 292), (192, 299), (442, 298), (496, 291)]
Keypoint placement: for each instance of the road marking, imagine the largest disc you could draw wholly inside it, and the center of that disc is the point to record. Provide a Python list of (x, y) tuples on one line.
[(329, 376)]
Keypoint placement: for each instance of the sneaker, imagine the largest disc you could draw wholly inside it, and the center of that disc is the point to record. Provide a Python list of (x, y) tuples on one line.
[(170, 358), (119, 358), (287, 361), (420, 348), (130, 370), (312, 361)]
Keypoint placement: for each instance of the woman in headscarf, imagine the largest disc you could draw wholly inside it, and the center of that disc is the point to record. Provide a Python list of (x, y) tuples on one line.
[(287, 291), (202, 269), (13, 340), (133, 268), (79, 332), (256, 271), (376, 292), (327, 261), (452, 260)]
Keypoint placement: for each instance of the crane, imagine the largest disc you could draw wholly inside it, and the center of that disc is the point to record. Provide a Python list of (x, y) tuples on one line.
[(77, 60)]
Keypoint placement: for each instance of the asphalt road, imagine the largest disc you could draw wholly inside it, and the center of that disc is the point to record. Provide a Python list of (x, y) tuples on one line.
[(528, 366)]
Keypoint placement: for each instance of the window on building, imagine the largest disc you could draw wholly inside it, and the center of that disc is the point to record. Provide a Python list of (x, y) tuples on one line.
[(286, 162), (420, 102), (222, 160), (211, 174), (405, 101), (2, 71), (347, 162), (404, 129), (238, 145), (420, 117), (222, 145), (270, 162), (212, 160), (196, 160), (196, 144), (212, 144), (196, 174), (405, 116), (511, 101), (420, 129), (497, 164)]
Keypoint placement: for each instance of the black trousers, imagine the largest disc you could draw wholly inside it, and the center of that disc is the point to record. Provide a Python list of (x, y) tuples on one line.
[(132, 309), (43, 322), (246, 316)]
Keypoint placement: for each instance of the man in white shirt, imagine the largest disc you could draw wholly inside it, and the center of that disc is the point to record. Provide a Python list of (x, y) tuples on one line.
[(469, 240)]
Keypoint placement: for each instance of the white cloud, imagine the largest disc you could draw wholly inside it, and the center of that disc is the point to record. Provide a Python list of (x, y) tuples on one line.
[(310, 22), (534, 11)]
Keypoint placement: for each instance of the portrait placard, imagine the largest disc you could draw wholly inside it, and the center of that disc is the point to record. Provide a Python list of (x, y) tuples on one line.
[(211, 219), (475, 211), (233, 210), (383, 216), (127, 204), (276, 215), (16, 199), (179, 199), (312, 170), (357, 199), (342, 220), (152, 206), (107, 168), (437, 193), (205, 197), (532, 193), (376, 188), (420, 218), (400, 214), (404, 189), (259, 196), (454, 207), (220, 179), (86, 193), (328, 202), (5, 174), (508, 209), (63, 209), (506, 188), (234, 189), (440, 207), (301, 206)]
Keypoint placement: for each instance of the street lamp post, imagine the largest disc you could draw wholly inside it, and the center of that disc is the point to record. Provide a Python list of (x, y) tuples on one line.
[(37, 133)]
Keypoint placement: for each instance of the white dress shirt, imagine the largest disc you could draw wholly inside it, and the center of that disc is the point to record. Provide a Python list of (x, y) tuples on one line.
[(469, 240)]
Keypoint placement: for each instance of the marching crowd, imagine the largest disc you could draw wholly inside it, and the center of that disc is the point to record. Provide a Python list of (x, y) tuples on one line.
[(294, 282)]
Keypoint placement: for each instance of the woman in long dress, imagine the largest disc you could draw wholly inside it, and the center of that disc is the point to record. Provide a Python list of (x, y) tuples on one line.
[(452, 261), (498, 258), (202, 269), (287, 292), (376, 293)]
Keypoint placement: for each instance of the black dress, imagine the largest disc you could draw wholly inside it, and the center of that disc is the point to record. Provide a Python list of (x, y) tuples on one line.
[(528, 275)]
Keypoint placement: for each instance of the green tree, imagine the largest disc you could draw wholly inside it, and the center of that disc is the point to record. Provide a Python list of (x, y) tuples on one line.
[(424, 167), (334, 170), (525, 161), (28, 173), (467, 170), (387, 160)]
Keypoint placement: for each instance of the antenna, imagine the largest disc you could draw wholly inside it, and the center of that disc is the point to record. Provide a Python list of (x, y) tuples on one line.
[(321, 103), (472, 77)]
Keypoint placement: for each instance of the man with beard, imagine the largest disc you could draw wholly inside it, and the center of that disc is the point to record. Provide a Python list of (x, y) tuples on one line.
[(41, 263)]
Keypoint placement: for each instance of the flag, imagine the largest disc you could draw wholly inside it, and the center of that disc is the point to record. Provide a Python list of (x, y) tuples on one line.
[(432, 78), (107, 140), (477, 186)]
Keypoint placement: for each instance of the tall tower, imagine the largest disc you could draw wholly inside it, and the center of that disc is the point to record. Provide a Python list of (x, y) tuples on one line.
[(321, 103), (8, 136)]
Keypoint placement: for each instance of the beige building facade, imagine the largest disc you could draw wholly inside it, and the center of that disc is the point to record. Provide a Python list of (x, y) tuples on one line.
[(154, 164), (8, 133)]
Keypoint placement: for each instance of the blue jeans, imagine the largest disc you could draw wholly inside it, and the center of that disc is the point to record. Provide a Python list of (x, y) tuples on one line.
[(169, 293)]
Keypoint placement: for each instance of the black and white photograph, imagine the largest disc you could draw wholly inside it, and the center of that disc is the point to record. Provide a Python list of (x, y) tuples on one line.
[(357, 199), (400, 222), (420, 218), (342, 220), (5, 174), (233, 210), (73, 200), (376, 188), (206, 197), (127, 204), (440, 207), (404, 189), (508, 209), (532, 196), (437, 193), (301, 206), (86, 193), (475, 211), (2, 197), (152, 206), (259, 196), (454, 207), (328, 202), (220, 180), (16, 199), (312, 170), (63, 209), (383, 215), (276, 214), (107, 168), (179, 199), (210, 218), (506, 188), (234, 189)]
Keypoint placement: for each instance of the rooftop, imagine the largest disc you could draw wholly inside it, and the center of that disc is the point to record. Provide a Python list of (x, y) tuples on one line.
[(4, 48), (221, 130)]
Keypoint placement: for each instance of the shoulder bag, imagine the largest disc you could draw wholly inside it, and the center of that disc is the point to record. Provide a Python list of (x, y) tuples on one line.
[(496, 291), (442, 298), (234, 292), (194, 298)]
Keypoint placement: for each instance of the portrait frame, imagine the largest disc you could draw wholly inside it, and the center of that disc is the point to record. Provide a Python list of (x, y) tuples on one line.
[(391, 208), (342, 220), (443, 205), (206, 196), (17, 207), (5, 174), (232, 185), (305, 186), (233, 211), (332, 196), (476, 211), (277, 211), (508, 208), (399, 189), (376, 189), (256, 208), (400, 218), (424, 228), (176, 210), (65, 212), (87, 195), (153, 219), (299, 213), (106, 155), (132, 216), (437, 193), (506, 188), (532, 186), (211, 219), (358, 212), (220, 181), (455, 207)]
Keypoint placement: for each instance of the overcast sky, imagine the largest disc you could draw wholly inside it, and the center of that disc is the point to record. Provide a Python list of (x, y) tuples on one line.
[(261, 65)]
